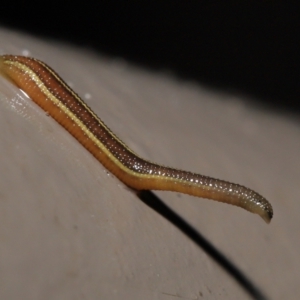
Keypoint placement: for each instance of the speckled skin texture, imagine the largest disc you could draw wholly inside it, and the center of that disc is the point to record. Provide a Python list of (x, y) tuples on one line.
[(70, 230)]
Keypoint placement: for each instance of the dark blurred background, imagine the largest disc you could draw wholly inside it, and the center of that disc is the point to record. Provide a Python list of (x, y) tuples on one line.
[(248, 47)]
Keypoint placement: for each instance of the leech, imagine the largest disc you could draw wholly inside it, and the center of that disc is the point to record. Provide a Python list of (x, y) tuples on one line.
[(53, 95)]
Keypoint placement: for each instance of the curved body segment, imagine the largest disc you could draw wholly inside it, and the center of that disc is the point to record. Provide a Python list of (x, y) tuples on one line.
[(52, 94)]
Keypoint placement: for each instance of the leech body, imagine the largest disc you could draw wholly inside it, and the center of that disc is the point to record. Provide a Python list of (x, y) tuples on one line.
[(53, 95)]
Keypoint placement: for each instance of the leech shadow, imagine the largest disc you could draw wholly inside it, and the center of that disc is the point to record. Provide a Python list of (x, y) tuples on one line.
[(151, 200)]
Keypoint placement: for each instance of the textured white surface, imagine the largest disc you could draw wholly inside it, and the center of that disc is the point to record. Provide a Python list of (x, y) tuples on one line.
[(70, 230)]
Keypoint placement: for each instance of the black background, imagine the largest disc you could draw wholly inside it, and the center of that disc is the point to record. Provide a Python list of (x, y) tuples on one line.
[(247, 47)]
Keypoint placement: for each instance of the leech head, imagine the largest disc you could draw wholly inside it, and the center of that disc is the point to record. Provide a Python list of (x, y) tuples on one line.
[(259, 205), (234, 194), (268, 216), (266, 211), (263, 209)]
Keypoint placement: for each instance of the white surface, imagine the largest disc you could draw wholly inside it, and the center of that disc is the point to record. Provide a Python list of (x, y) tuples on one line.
[(70, 230)]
